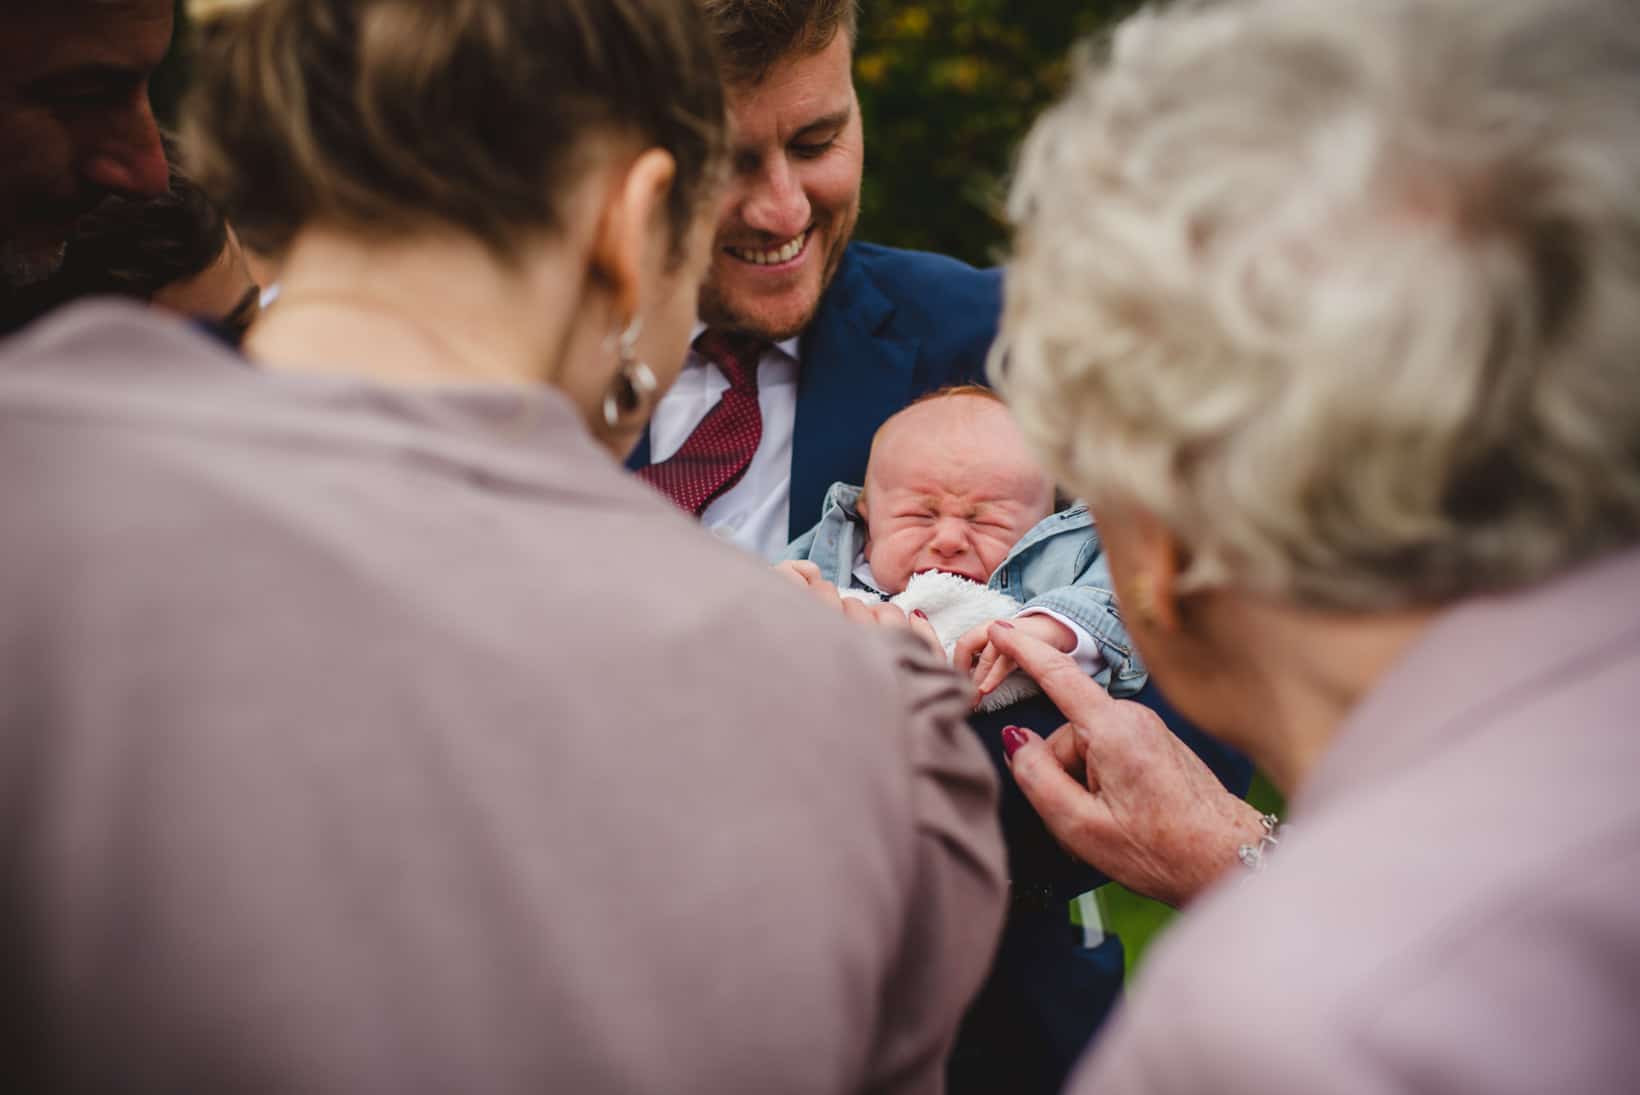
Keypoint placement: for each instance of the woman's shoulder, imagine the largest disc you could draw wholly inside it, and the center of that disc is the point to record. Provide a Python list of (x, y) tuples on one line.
[(794, 666)]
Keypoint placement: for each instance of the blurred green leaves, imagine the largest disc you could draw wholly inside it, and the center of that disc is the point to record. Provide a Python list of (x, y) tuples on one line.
[(948, 89)]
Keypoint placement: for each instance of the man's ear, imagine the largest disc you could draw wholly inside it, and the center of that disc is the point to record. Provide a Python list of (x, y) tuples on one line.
[(635, 202)]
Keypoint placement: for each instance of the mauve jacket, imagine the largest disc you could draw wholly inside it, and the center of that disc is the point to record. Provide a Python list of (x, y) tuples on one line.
[(1456, 910), (366, 739)]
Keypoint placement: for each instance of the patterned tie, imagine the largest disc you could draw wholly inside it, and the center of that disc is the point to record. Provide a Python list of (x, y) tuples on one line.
[(717, 454)]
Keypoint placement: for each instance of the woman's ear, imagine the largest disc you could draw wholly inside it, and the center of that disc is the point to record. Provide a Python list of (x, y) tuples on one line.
[(627, 228), (1146, 559), (1164, 562)]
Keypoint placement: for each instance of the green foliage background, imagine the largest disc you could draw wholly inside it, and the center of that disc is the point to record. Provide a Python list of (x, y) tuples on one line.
[(948, 89)]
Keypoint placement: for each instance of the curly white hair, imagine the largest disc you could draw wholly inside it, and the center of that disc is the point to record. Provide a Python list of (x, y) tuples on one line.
[(1346, 293)]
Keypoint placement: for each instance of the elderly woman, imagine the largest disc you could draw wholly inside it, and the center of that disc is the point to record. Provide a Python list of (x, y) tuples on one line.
[(1333, 312), (363, 727)]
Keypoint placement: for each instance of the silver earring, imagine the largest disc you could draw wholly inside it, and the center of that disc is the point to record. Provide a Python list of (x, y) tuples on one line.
[(634, 384)]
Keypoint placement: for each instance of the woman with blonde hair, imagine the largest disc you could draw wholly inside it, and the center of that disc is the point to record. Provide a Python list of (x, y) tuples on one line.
[(1332, 311), (364, 727)]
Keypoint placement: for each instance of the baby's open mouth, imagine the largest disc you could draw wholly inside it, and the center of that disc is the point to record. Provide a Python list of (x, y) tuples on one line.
[(956, 573)]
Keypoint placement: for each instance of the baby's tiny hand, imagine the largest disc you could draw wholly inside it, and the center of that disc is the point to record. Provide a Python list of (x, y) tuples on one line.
[(967, 650), (1040, 626), (992, 667)]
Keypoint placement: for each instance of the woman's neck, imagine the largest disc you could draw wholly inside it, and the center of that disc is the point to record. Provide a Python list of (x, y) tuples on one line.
[(433, 308), (1308, 670)]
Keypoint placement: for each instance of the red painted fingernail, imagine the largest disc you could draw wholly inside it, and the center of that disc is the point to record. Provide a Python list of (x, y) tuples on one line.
[(919, 613), (1004, 624), (1012, 738)]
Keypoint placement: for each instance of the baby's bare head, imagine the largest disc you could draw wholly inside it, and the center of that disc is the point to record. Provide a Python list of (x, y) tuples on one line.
[(950, 486)]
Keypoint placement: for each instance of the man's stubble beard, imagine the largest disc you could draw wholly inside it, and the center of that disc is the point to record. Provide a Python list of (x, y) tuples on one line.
[(22, 267), (714, 311)]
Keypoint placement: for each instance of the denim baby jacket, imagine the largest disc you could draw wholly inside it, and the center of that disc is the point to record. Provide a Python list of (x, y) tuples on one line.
[(1058, 565)]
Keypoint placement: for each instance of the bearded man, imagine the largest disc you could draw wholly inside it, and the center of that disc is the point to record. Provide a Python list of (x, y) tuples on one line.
[(76, 126), (807, 343)]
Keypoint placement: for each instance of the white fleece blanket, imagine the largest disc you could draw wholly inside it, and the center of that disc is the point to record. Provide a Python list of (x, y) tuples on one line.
[(954, 605)]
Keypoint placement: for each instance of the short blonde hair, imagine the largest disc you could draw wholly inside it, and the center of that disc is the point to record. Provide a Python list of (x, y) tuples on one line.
[(1346, 293)]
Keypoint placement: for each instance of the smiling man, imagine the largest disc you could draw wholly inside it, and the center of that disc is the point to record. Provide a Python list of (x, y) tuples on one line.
[(810, 342), (75, 123), (798, 153)]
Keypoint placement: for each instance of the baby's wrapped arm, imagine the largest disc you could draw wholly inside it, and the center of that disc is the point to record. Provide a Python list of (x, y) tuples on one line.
[(1089, 604)]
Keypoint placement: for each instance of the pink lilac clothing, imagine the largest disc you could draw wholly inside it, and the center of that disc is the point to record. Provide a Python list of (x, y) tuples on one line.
[(367, 739), (1457, 906)]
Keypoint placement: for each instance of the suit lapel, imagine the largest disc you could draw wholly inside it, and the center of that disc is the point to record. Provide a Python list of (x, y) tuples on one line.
[(640, 453), (856, 371)]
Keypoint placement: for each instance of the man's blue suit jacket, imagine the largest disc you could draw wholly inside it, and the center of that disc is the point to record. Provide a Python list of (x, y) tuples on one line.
[(894, 325)]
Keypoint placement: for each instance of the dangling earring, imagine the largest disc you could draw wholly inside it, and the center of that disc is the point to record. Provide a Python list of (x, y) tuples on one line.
[(634, 383), (1143, 601)]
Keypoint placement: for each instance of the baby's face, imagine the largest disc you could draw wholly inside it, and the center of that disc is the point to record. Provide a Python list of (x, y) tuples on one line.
[(951, 487)]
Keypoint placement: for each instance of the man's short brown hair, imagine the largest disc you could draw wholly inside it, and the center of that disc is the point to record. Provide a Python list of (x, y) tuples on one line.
[(752, 35)]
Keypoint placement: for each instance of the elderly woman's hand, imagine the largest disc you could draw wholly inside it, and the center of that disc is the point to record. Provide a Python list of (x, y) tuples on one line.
[(1117, 789)]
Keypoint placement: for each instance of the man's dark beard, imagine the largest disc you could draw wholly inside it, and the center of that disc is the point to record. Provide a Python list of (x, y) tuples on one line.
[(21, 270), (30, 287)]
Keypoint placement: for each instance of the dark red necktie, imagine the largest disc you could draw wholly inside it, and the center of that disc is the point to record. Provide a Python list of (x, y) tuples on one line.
[(717, 454)]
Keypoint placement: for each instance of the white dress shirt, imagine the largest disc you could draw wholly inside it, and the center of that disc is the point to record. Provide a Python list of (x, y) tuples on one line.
[(756, 511)]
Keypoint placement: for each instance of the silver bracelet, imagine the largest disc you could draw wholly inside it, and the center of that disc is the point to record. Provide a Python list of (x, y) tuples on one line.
[(1252, 855)]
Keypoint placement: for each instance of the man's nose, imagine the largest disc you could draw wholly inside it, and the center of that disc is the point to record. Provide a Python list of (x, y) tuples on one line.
[(777, 205), (126, 156)]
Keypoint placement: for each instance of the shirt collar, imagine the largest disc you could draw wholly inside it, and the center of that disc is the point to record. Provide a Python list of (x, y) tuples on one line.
[(786, 346)]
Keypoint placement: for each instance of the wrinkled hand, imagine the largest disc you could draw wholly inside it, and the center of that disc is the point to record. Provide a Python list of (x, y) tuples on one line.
[(869, 613), (977, 655), (1117, 789)]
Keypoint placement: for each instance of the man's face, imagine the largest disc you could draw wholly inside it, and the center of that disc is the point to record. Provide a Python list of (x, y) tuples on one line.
[(75, 124), (793, 198)]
